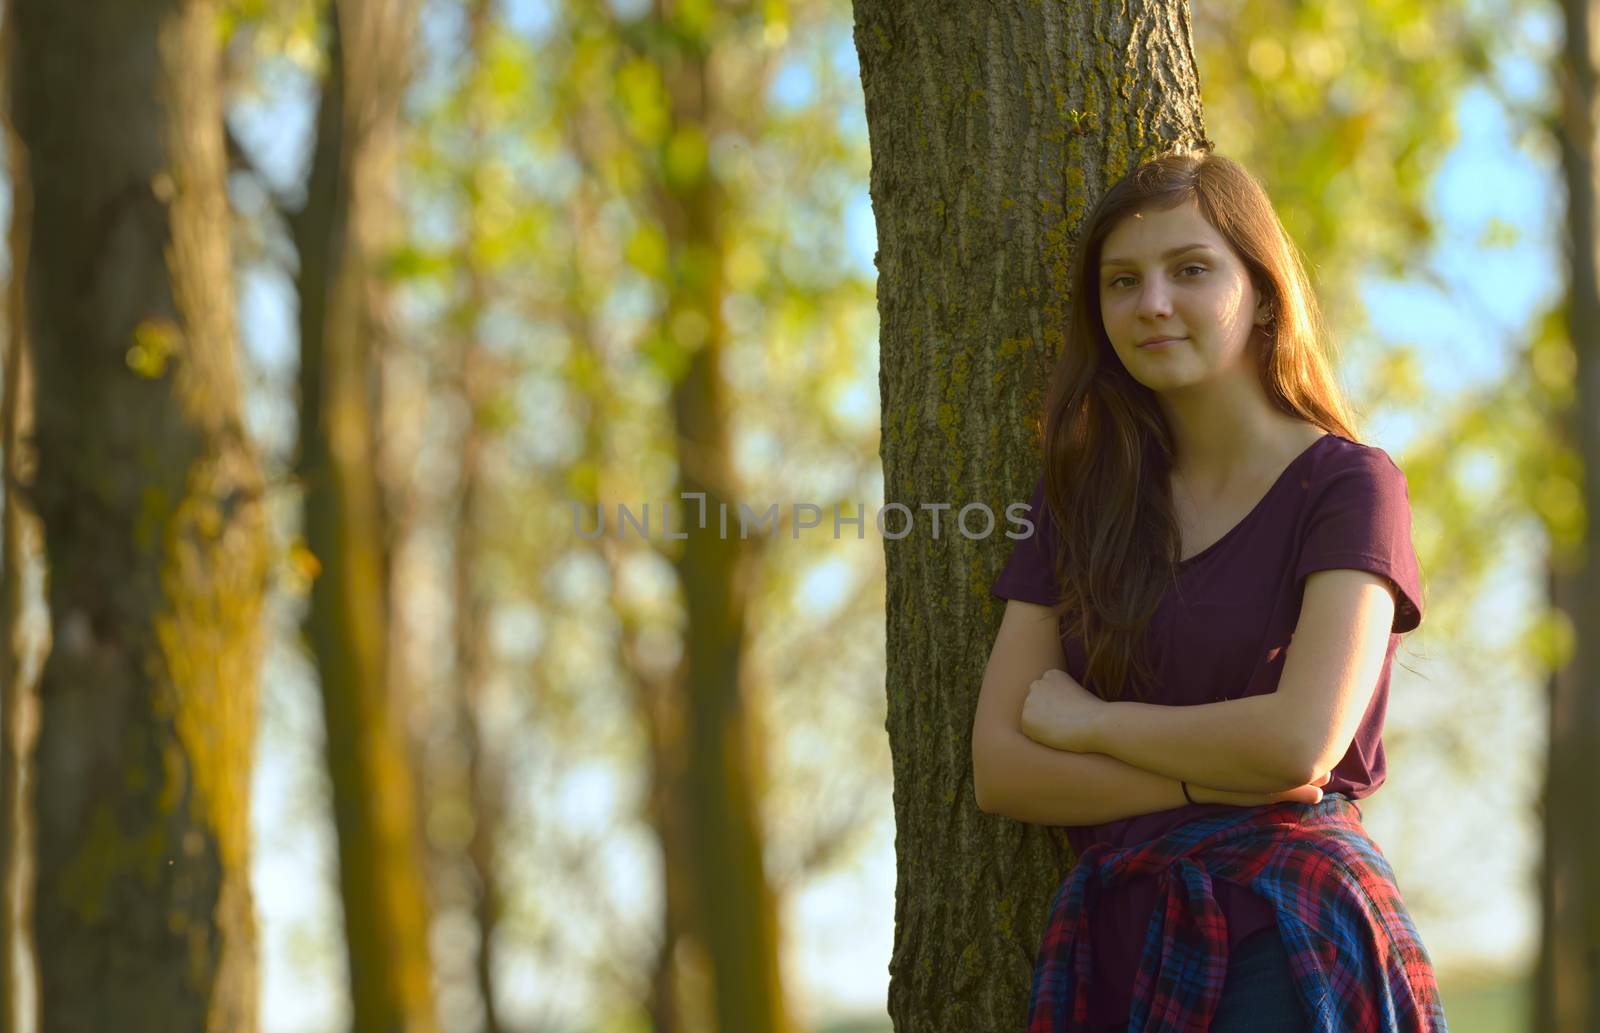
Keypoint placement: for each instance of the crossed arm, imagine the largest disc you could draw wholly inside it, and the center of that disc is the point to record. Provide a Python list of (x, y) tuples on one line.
[(1053, 753)]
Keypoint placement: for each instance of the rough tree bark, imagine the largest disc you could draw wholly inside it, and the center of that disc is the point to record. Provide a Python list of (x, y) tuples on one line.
[(993, 130), (1567, 983), (341, 236), (148, 494)]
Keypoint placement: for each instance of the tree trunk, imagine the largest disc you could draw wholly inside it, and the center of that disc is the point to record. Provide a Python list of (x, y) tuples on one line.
[(1567, 991), (149, 498), (478, 378), (993, 131), (21, 574), (735, 907), (341, 235), (1559, 989)]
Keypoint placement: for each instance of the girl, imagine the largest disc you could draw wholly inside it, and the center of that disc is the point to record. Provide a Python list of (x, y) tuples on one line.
[(1204, 501)]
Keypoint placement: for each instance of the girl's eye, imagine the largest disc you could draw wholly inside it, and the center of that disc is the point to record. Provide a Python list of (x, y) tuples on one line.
[(1185, 269)]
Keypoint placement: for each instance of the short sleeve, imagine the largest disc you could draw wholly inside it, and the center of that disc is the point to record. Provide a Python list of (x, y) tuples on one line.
[(1360, 518), (1029, 573)]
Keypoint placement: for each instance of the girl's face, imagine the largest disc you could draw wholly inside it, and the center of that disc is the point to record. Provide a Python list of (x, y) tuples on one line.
[(1154, 284)]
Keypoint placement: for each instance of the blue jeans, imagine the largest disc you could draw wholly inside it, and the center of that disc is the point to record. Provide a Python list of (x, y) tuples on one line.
[(1258, 993)]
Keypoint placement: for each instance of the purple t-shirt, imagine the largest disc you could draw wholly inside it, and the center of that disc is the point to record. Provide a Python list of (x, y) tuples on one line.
[(1221, 633)]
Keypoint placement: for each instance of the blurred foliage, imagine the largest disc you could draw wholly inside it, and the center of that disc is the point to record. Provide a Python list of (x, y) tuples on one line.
[(552, 206), (1366, 93)]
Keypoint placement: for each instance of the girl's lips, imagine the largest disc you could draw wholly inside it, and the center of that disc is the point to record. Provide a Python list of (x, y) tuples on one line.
[(1163, 343)]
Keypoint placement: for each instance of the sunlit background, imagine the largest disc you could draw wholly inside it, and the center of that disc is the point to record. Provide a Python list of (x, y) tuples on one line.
[(1404, 147)]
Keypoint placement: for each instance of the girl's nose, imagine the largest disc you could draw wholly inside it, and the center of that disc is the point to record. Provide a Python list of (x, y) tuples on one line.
[(1154, 298)]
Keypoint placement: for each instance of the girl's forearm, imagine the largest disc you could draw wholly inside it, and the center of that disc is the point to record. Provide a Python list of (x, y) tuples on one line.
[(1241, 745), (1027, 781)]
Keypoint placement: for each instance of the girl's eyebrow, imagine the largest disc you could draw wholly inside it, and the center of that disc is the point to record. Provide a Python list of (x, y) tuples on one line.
[(1170, 253)]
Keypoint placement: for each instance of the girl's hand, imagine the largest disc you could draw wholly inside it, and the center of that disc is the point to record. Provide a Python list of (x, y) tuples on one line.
[(1311, 792), (1062, 714)]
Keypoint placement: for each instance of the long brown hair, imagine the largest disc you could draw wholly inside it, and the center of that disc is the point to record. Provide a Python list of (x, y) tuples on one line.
[(1107, 446)]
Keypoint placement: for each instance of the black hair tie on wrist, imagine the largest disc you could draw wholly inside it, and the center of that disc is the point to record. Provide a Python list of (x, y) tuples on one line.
[(1186, 795)]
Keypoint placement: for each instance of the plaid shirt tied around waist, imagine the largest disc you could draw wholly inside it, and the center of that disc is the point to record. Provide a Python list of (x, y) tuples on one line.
[(1356, 957)]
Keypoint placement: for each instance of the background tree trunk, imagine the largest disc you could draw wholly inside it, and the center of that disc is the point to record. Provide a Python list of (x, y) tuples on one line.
[(982, 170), (341, 236), (1567, 986), (149, 498), (735, 908), (21, 653), (478, 378)]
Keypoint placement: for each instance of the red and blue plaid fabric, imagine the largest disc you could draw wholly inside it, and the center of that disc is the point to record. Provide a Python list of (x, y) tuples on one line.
[(1356, 957)]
